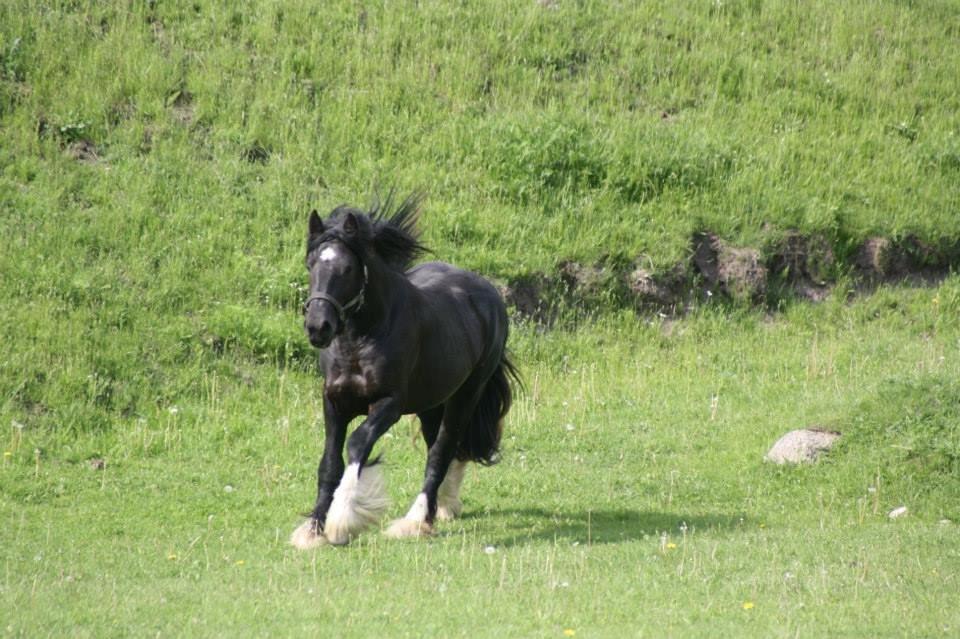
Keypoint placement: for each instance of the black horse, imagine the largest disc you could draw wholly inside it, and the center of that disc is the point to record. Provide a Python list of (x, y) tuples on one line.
[(430, 340)]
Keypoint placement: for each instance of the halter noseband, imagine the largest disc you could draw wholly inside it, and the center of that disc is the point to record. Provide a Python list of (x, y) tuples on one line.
[(354, 304)]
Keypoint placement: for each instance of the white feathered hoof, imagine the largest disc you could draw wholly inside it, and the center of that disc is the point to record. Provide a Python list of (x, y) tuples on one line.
[(359, 502), (449, 509), (306, 536), (406, 528)]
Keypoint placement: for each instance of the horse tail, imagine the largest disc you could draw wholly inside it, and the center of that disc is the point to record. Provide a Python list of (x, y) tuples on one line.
[(481, 441)]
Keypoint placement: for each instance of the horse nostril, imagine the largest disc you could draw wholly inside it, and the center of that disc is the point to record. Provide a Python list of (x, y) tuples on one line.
[(320, 336)]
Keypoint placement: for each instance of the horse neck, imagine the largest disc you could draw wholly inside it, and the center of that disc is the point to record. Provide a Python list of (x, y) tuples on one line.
[(385, 287)]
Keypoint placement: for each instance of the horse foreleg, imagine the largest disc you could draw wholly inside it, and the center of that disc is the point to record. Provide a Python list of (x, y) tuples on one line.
[(361, 498), (329, 473)]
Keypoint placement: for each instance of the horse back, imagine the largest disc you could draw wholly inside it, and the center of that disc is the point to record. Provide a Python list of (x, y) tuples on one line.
[(460, 306)]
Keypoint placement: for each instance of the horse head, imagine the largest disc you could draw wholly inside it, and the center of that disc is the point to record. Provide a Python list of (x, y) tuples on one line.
[(338, 276)]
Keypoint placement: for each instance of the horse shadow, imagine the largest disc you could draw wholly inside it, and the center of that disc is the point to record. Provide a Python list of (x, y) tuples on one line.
[(522, 526)]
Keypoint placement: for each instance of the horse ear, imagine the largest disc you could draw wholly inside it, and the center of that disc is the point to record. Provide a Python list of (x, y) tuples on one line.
[(350, 224), (316, 224)]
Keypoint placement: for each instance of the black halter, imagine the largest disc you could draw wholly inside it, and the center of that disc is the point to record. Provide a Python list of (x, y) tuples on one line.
[(352, 305)]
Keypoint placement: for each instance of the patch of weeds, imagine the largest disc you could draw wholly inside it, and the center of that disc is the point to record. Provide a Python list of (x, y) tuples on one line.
[(534, 160), (654, 161), (914, 422), (72, 132), (268, 336), (13, 61)]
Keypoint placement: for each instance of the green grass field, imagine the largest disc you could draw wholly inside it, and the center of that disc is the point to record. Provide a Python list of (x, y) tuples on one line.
[(157, 163)]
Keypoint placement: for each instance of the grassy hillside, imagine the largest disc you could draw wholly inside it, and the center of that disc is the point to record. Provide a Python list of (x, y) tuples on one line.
[(567, 131), (158, 160)]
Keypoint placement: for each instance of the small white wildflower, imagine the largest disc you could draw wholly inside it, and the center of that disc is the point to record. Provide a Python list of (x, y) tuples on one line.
[(489, 549)]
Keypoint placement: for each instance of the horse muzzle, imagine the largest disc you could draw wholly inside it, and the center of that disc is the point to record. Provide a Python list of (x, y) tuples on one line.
[(321, 333)]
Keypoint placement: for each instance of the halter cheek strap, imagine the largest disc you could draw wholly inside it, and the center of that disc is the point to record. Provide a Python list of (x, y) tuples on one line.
[(353, 305)]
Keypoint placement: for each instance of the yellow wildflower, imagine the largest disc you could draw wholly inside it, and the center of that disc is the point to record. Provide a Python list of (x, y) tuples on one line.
[(747, 605)]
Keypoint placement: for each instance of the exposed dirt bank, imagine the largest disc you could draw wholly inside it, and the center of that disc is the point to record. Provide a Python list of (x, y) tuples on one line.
[(795, 267)]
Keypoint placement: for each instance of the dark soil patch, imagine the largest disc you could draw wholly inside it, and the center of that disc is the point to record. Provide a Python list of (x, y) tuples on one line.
[(527, 296), (655, 292), (83, 151), (739, 273), (882, 260), (256, 153), (805, 264), (572, 287), (181, 106)]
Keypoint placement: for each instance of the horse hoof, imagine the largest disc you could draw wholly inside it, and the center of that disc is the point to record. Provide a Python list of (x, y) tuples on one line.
[(403, 528), (306, 536), (449, 510), (337, 535)]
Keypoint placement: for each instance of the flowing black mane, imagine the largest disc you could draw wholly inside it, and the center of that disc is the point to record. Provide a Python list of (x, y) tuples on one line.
[(388, 228)]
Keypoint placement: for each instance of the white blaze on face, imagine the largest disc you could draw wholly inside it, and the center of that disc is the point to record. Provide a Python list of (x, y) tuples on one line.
[(328, 254)]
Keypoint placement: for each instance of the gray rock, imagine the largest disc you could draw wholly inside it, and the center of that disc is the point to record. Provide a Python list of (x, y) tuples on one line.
[(898, 512), (801, 446)]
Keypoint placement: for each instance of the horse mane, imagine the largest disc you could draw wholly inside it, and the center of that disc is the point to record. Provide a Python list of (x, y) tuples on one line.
[(396, 237), (388, 228)]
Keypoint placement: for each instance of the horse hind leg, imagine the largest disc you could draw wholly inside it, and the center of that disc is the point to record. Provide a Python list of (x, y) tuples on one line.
[(418, 522), (481, 441), (449, 505), (419, 519)]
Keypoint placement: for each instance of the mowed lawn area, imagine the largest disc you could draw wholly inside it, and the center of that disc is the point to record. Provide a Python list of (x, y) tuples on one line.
[(632, 498)]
